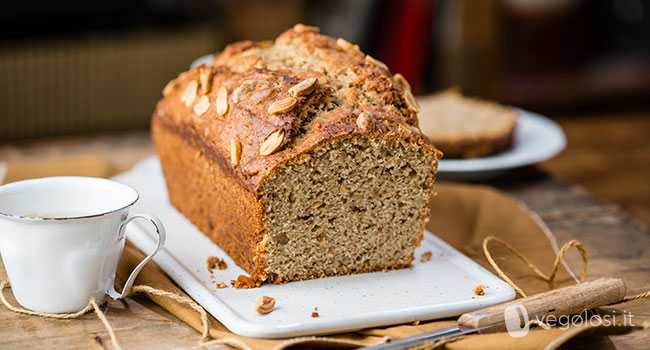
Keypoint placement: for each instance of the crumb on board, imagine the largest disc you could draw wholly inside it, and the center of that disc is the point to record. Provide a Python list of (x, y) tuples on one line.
[(214, 262), (315, 314), (426, 256), (316, 308), (222, 285), (265, 304), (416, 323), (384, 270), (465, 277), (244, 282), (479, 290)]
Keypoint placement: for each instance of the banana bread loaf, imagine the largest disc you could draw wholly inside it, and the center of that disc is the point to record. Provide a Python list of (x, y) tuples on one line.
[(301, 158)]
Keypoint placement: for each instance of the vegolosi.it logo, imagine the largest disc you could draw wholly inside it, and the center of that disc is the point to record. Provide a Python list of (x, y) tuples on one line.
[(518, 320)]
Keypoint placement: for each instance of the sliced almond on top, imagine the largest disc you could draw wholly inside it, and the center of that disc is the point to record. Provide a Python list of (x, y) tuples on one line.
[(376, 62), (202, 105), (243, 90), (365, 122), (205, 73), (272, 142), (346, 45), (401, 81), (412, 102), (189, 94), (408, 95), (283, 105), (304, 28), (235, 151), (304, 87), (222, 100), (263, 95), (169, 88)]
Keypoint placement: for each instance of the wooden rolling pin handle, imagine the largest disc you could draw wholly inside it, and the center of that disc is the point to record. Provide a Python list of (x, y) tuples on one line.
[(564, 301)]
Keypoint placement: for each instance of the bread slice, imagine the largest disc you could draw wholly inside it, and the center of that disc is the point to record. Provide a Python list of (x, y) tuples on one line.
[(463, 127), (301, 158)]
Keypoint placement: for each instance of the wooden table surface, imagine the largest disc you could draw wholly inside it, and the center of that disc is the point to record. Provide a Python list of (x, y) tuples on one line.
[(618, 245)]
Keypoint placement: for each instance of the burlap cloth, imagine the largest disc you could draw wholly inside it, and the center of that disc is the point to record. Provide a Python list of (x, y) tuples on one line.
[(462, 215)]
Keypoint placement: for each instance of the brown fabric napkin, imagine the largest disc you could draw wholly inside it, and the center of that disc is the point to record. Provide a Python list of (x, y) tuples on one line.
[(462, 215)]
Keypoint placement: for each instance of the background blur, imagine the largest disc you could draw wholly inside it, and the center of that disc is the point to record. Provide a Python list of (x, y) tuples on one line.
[(73, 67)]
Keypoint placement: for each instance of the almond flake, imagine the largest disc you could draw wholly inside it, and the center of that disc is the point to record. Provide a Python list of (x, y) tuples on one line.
[(272, 142), (189, 94), (222, 101), (283, 105), (299, 28), (263, 95), (243, 90), (169, 88), (401, 81), (408, 95), (265, 305), (235, 151), (411, 102), (202, 105), (346, 45), (304, 87), (365, 122), (205, 73), (376, 62)]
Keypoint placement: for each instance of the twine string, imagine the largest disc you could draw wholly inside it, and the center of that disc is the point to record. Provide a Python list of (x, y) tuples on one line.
[(550, 277), (92, 305), (633, 297), (107, 325), (205, 340), (179, 299), (556, 264)]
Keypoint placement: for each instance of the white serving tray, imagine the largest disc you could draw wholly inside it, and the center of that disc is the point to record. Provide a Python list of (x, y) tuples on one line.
[(439, 288), (536, 139)]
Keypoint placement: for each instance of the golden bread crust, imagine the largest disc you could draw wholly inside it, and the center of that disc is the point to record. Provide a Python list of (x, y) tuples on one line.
[(263, 111)]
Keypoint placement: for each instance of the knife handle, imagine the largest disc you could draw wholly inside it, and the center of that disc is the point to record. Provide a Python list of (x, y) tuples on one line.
[(563, 301)]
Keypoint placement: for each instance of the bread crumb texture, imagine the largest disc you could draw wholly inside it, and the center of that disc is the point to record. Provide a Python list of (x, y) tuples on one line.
[(214, 262), (479, 290)]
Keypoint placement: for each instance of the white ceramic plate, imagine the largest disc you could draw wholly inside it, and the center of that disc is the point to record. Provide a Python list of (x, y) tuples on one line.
[(536, 139), (439, 288)]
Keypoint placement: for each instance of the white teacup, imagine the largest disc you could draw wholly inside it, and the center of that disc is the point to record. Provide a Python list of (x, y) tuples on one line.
[(61, 239)]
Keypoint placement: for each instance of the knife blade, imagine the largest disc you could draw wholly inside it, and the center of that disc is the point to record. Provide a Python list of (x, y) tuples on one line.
[(562, 301)]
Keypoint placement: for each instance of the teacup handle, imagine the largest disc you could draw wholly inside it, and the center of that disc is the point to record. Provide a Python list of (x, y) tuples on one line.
[(160, 230)]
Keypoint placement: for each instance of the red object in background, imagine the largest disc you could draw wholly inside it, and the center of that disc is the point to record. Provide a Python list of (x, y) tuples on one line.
[(406, 42)]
